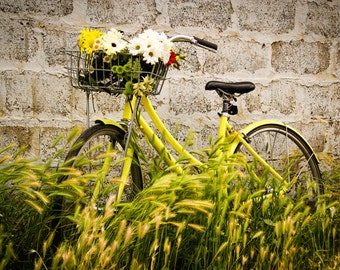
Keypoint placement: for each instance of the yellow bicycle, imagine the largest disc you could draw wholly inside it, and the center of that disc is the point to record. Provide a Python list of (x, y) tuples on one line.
[(110, 148)]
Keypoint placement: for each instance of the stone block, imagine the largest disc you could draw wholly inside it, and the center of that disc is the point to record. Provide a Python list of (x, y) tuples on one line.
[(300, 57), (314, 133), (323, 101), (200, 14), (20, 136), (54, 44), (18, 98), (279, 99), (47, 137), (51, 96), (189, 97), (122, 12), (35, 95), (289, 99), (18, 40), (235, 55), (105, 105), (323, 18), (273, 16), (39, 7)]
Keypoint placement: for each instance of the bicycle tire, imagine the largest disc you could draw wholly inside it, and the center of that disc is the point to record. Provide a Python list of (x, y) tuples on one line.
[(96, 136), (63, 207), (289, 154)]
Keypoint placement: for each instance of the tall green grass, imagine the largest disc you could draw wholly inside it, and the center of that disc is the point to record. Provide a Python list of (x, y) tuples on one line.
[(208, 220)]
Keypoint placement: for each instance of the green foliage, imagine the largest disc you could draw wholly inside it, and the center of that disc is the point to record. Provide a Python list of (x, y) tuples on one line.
[(213, 219)]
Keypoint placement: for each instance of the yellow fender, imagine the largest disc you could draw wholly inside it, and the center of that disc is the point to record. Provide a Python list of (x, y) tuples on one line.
[(254, 125)]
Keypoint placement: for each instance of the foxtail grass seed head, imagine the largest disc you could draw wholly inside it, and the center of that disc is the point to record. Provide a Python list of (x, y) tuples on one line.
[(263, 253), (179, 241), (196, 227), (238, 249), (167, 246), (142, 230), (128, 235), (69, 259), (252, 253), (122, 228), (244, 260), (102, 244), (158, 220), (115, 246), (245, 239)]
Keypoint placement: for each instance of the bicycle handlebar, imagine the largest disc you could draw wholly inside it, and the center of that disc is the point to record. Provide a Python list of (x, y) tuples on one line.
[(195, 40)]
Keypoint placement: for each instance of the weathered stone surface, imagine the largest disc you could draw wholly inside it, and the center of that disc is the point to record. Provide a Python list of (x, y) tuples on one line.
[(54, 44), (18, 40), (189, 97), (323, 18), (200, 13), (279, 98), (266, 16), (323, 101), (47, 138), (300, 57), (122, 12), (235, 55), (35, 95), (39, 7), (51, 96), (18, 100), (18, 135)]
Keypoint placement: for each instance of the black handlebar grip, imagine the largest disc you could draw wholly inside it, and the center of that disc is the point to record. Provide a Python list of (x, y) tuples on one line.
[(205, 43)]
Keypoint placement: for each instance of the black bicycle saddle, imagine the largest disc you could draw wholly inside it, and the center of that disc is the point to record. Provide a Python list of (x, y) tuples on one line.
[(230, 88)]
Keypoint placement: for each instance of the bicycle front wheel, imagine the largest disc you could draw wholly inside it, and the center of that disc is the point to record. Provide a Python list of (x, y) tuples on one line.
[(289, 154), (99, 154)]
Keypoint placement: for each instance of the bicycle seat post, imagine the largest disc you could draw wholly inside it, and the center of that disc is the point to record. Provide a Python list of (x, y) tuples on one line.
[(228, 108)]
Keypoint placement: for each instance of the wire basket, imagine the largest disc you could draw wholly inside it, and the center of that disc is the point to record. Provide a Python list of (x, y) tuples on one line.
[(97, 73)]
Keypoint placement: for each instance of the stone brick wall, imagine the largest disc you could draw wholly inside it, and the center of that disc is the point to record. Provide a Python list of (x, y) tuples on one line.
[(288, 48)]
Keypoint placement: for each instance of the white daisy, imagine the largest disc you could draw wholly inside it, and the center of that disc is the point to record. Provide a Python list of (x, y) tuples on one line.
[(113, 42), (152, 54), (136, 46)]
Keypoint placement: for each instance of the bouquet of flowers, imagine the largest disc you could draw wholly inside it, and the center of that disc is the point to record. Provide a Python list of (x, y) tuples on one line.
[(136, 66)]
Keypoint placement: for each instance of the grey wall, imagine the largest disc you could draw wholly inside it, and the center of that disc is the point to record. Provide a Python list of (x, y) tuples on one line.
[(288, 48)]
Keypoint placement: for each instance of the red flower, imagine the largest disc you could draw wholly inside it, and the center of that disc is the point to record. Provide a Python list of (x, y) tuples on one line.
[(172, 58)]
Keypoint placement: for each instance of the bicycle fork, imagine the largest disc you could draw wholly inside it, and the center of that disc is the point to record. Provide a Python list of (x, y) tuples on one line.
[(129, 114)]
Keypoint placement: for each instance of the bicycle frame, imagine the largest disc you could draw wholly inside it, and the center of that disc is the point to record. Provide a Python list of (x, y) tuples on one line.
[(225, 131)]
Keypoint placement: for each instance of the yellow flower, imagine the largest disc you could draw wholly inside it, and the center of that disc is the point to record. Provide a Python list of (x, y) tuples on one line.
[(87, 39), (143, 87)]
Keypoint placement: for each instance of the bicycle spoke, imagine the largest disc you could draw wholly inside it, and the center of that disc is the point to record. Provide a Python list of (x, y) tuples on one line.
[(288, 154)]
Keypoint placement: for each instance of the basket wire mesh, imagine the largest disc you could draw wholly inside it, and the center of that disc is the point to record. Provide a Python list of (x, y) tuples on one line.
[(96, 73)]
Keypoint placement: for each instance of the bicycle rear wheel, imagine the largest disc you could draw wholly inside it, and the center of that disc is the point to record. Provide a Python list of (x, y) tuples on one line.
[(290, 155)]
